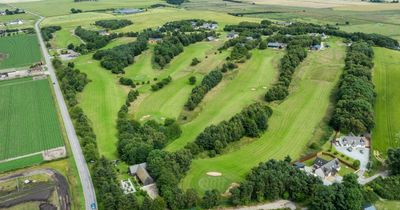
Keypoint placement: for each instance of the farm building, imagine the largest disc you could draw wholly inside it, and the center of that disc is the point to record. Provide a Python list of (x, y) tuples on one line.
[(16, 22), (127, 11), (232, 35), (103, 33), (139, 170), (154, 40), (210, 38), (278, 45)]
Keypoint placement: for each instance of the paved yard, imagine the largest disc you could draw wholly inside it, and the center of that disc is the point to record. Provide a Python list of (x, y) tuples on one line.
[(357, 155)]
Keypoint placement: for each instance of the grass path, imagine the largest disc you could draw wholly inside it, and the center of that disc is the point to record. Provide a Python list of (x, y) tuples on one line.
[(101, 100), (387, 112), (290, 127), (236, 91)]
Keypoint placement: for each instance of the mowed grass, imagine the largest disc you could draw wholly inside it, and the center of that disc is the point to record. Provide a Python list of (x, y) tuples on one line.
[(19, 51), (290, 128), (64, 37), (169, 101), (386, 76), (237, 90), (391, 30), (21, 163), (28, 118), (101, 100)]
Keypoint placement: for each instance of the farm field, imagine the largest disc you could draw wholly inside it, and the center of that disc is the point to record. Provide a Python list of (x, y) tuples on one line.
[(20, 163), (290, 128), (19, 51), (53, 8), (28, 118), (237, 90), (386, 75)]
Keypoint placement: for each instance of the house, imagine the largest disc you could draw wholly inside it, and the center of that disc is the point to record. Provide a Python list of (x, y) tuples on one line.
[(316, 47), (249, 38), (210, 38), (232, 35), (368, 207), (2, 12), (209, 26), (139, 170), (324, 168), (354, 141), (276, 45), (154, 40), (127, 11), (16, 22), (103, 33)]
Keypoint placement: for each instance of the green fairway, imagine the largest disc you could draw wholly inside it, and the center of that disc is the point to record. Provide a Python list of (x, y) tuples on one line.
[(64, 37), (169, 101), (28, 118), (101, 100), (386, 78), (290, 128), (235, 92), (20, 163), (19, 51)]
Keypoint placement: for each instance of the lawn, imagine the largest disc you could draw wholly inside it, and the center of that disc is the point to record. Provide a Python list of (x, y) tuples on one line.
[(19, 51), (290, 127), (386, 78), (28, 118), (387, 205), (63, 38), (391, 30)]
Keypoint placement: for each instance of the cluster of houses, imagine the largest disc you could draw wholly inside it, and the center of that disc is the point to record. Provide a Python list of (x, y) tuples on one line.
[(207, 26)]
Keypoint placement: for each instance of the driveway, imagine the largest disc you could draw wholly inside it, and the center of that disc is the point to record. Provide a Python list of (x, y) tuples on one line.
[(357, 155)]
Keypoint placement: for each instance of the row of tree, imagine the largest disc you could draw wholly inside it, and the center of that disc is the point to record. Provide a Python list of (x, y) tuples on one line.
[(253, 29), (72, 81), (119, 57), (161, 83), (172, 45), (47, 32), (209, 81), (375, 39), (93, 39), (355, 97), (189, 25), (14, 12), (296, 53), (113, 24), (250, 122)]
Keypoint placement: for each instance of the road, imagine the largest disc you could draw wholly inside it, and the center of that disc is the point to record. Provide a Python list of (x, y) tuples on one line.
[(279, 204), (83, 170)]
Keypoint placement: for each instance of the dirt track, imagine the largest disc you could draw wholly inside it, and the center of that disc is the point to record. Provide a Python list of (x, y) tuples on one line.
[(42, 191)]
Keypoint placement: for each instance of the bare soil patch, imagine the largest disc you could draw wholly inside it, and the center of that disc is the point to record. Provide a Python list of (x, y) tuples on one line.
[(214, 173)]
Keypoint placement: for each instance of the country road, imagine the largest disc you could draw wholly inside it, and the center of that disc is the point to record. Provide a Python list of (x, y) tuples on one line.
[(84, 174)]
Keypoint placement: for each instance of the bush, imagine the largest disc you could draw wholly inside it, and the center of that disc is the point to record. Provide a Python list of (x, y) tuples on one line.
[(192, 80), (195, 61)]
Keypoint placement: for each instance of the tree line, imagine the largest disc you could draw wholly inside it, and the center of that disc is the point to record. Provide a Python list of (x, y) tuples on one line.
[(265, 27), (296, 53), (113, 24), (14, 12), (47, 32), (374, 39), (172, 45), (161, 83), (93, 39), (119, 57), (209, 81), (250, 122), (355, 96), (72, 81), (189, 25)]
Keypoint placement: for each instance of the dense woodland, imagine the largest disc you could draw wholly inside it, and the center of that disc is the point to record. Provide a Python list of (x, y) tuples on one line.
[(355, 97), (47, 32), (113, 24), (209, 81)]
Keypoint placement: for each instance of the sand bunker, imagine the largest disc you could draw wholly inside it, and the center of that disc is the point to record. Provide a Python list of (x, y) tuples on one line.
[(213, 173)]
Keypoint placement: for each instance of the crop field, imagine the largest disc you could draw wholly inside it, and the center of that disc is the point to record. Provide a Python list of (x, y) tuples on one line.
[(290, 128), (20, 163), (19, 51), (28, 118), (386, 133)]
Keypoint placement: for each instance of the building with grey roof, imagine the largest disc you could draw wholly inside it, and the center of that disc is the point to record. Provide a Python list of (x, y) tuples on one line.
[(139, 170)]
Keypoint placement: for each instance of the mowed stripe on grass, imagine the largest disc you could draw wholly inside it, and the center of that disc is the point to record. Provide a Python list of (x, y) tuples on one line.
[(386, 77), (19, 51), (236, 91), (290, 127), (28, 118)]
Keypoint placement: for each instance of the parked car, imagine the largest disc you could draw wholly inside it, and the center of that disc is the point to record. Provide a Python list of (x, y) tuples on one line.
[(350, 149)]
